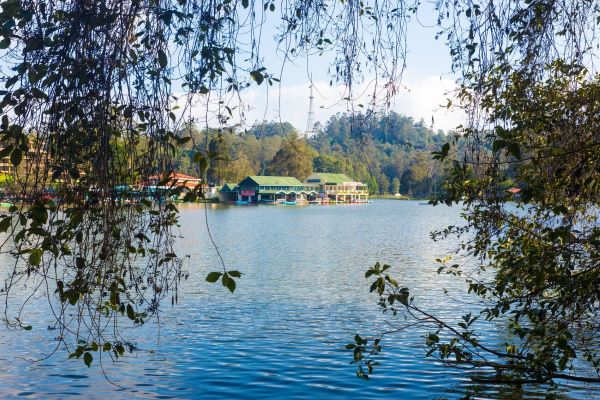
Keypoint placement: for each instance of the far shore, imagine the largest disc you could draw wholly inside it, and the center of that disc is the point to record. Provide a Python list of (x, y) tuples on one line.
[(394, 197)]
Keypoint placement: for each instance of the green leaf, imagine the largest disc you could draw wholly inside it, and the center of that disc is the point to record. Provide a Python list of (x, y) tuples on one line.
[(130, 312), (257, 76), (162, 58), (5, 224), (225, 279), (35, 257), (213, 277), (245, 3), (88, 358), (445, 150), (235, 274), (514, 149), (119, 350), (27, 328), (11, 81), (498, 145), (15, 157), (228, 282), (6, 151), (231, 285), (34, 43)]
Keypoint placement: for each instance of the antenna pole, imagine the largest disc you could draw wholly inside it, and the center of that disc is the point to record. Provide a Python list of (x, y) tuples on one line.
[(310, 123)]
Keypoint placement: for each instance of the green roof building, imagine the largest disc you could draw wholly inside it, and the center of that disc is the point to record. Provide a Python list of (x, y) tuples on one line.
[(228, 192), (327, 178), (274, 189), (338, 188)]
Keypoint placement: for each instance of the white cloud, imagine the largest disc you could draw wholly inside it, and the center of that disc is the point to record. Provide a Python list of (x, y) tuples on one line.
[(427, 98), (420, 98)]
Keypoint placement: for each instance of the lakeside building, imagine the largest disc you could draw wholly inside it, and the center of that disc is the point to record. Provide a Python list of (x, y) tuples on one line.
[(321, 188), (338, 188), (228, 193), (175, 180), (6, 167), (274, 189), (33, 161), (162, 183)]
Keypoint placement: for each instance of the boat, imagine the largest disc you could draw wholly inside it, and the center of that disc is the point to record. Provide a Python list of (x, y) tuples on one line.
[(242, 202), (289, 203)]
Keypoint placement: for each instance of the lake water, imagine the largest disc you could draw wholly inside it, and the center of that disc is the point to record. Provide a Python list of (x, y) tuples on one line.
[(282, 334)]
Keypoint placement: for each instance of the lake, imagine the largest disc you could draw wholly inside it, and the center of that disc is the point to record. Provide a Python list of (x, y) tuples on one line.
[(302, 298)]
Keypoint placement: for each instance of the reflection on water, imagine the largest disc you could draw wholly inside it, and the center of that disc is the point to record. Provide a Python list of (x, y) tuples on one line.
[(303, 296)]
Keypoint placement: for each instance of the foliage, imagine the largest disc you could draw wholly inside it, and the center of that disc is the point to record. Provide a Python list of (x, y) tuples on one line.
[(531, 90), (395, 186), (271, 129), (239, 154), (376, 148), (294, 158), (93, 83)]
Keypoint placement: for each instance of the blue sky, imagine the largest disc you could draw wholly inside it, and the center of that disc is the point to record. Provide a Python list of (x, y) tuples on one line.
[(426, 80)]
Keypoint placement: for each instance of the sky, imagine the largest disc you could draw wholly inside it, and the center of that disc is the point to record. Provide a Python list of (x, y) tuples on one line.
[(424, 90)]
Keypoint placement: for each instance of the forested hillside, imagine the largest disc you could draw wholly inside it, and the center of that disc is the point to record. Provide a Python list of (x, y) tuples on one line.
[(391, 152)]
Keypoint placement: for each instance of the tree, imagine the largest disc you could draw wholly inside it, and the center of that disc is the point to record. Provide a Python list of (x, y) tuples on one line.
[(271, 129), (383, 183), (534, 113), (372, 185), (238, 169), (294, 158), (406, 182), (80, 75), (395, 186), (327, 163), (268, 148), (83, 74)]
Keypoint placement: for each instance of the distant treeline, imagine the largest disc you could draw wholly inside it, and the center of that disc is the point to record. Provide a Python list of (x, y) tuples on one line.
[(390, 152)]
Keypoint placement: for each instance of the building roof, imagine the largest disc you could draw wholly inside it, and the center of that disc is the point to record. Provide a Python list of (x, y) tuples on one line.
[(273, 181), (228, 187), (175, 176), (333, 179), (184, 177), (175, 179)]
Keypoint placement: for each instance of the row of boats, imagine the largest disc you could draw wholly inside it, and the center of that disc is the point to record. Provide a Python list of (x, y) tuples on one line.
[(300, 202)]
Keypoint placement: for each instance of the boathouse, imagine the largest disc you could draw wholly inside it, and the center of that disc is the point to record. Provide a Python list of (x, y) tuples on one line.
[(338, 188), (228, 193), (273, 189)]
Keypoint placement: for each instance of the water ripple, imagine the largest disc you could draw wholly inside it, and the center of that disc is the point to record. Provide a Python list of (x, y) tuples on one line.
[(303, 296)]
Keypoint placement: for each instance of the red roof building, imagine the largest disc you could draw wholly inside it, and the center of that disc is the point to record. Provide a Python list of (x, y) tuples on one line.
[(176, 179)]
